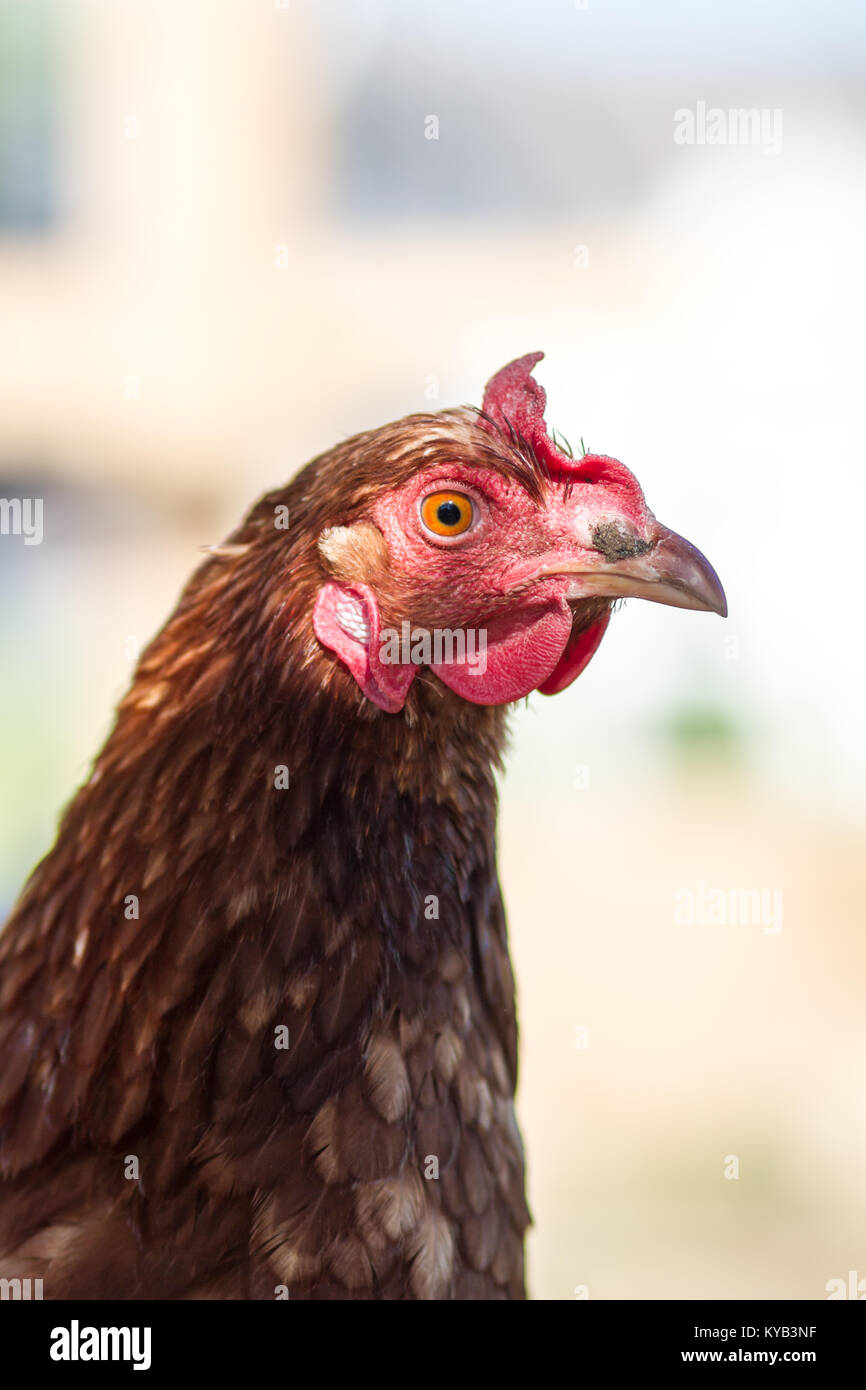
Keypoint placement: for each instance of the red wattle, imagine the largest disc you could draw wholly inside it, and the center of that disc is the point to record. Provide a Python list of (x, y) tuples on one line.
[(578, 654), (523, 651)]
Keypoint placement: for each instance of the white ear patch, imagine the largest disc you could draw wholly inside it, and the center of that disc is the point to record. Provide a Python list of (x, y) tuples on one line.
[(350, 615), (355, 554)]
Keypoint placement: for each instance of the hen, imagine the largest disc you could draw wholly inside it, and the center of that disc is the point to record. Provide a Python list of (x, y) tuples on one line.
[(256, 1008)]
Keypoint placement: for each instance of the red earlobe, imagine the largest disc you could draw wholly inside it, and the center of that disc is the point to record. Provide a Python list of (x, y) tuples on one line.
[(346, 621)]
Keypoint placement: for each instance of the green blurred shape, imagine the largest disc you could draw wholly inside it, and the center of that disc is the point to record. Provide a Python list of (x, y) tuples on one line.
[(701, 731)]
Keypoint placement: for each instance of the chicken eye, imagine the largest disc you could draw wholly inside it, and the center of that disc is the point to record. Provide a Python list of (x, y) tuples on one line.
[(447, 513)]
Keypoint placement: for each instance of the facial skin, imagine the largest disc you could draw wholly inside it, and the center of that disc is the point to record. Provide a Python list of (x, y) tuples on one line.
[(496, 527), (537, 574)]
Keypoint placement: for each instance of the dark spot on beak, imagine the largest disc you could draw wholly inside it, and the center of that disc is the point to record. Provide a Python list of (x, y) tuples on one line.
[(615, 543)]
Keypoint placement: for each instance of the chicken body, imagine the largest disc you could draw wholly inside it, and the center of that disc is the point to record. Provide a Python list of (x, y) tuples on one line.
[(256, 1007), (310, 1058)]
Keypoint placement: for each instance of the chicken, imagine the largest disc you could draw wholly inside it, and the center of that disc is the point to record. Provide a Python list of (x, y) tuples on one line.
[(256, 1007)]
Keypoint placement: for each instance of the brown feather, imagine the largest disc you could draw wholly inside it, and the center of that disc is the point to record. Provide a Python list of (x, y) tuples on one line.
[(152, 1036)]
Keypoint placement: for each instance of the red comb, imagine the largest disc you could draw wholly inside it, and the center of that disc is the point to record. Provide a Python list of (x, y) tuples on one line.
[(515, 401)]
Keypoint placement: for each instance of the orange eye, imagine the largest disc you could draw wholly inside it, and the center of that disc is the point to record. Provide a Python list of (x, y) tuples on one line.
[(447, 513)]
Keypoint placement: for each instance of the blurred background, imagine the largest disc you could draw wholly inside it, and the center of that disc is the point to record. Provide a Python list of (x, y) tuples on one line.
[(233, 232)]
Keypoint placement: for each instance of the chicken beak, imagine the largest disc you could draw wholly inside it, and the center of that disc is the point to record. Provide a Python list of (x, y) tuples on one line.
[(671, 571)]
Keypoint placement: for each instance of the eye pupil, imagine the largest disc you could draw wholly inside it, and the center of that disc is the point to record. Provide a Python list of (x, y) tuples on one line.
[(448, 513)]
